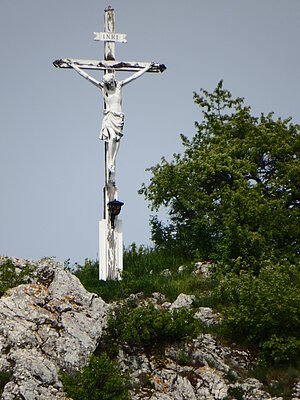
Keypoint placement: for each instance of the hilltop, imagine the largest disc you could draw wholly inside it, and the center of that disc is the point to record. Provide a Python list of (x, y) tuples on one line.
[(59, 340)]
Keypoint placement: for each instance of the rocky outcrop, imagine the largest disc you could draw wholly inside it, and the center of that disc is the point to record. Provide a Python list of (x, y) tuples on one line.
[(200, 370), (48, 325), (52, 323)]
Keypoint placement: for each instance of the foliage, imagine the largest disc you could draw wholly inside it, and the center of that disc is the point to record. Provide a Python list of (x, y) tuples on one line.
[(102, 379), (259, 308), (183, 357), (264, 311), (236, 392), (5, 377), (234, 193), (278, 381), (147, 326), (10, 278)]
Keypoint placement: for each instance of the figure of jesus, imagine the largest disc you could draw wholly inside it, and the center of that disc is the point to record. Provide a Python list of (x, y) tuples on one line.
[(113, 117)]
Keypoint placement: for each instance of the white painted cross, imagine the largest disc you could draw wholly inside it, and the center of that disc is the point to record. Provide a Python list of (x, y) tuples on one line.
[(110, 228)]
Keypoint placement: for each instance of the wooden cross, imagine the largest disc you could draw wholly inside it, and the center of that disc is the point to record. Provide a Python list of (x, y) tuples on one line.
[(109, 63), (110, 228)]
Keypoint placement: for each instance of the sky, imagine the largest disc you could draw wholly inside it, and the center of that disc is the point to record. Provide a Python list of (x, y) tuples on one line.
[(51, 160)]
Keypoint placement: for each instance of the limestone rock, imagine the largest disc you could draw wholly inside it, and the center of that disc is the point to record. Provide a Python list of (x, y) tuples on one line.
[(181, 269), (46, 326), (203, 268), (183, 300), (207, 316), (159, 297), (253, 389), (296, 391), (166, 273), (198, 370), (210, 384)]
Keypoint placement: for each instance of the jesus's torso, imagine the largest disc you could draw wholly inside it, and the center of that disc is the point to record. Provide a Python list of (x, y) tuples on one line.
[(113, 98)]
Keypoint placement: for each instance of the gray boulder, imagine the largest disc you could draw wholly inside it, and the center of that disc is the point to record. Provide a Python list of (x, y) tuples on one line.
[(183, 300), (207, 316), (202, 268)]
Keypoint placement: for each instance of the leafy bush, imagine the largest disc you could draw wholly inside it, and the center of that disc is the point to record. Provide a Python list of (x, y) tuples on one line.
[(9, 277), (260, 309), (264, 311), (102, 379), (5, 377), (280, 349), (147, 326), (237, 393)]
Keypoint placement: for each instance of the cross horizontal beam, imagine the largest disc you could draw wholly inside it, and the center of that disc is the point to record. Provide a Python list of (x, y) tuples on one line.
[(130, 66)]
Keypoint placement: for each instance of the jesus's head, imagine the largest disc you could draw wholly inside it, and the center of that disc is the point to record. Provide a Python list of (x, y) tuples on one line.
[(109, 81)]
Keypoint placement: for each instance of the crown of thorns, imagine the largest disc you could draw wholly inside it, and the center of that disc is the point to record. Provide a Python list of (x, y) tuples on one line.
[(108, 77)]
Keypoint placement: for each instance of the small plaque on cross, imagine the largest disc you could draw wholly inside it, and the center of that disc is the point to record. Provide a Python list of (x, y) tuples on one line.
[(110, 37)]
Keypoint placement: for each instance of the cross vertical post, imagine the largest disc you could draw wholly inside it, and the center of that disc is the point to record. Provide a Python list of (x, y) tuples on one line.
[(110, 231), (109, 27)]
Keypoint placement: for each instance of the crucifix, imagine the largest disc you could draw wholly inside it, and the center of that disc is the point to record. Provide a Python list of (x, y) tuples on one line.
[(110, 227)]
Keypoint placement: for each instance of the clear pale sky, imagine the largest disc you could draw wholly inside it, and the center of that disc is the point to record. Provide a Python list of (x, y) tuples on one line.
[(51, 160)]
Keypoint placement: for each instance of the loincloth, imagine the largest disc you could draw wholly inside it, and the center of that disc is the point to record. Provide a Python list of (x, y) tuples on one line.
[(112, 126)]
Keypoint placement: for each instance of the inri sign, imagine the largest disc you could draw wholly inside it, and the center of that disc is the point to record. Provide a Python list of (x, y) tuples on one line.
[(110, 37)]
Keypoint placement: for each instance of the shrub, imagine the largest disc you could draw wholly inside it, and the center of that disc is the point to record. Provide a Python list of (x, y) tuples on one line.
[(102, 379), (280, 349), (147, 326), (9, 278), (5, 377), (264, 311)]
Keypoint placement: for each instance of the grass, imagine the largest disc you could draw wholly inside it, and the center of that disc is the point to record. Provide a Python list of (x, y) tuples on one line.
[(278, 381), (142, 273)]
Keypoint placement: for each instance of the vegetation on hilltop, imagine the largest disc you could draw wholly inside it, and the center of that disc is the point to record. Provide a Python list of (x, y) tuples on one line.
[(232, 198)]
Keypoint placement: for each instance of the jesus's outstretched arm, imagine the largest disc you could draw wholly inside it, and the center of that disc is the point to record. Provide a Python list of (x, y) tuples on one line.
[(136, 75), (85, 75)]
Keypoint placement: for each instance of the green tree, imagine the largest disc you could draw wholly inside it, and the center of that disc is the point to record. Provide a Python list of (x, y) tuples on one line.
[(234, 192)]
